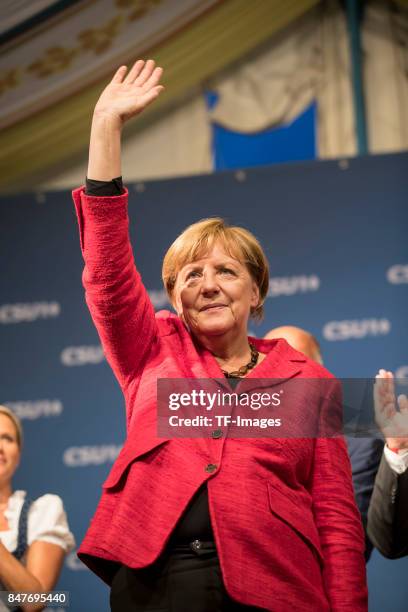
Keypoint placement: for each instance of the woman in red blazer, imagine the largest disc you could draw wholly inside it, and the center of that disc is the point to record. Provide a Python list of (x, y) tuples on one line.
[(203, 524)]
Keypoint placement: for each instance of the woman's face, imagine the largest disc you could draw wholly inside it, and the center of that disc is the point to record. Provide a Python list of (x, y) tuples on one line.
[(9, 449), (215, 294)]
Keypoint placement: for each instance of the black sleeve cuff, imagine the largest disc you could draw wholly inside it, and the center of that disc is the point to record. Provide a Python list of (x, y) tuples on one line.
[(104, 188)]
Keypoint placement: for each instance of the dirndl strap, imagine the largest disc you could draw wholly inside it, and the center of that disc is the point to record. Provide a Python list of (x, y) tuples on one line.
[(22, 530)]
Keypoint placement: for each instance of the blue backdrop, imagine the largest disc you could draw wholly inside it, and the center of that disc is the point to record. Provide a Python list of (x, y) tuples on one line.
[(336, 237)]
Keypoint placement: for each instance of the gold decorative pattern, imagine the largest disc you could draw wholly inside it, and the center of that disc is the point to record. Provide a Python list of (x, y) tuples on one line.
[(57, 59), (139, 7), (100, 39), (54, 60), (59, 133), (9, 80)]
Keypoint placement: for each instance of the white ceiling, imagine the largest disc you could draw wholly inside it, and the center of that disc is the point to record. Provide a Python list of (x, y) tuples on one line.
[(14, 12)]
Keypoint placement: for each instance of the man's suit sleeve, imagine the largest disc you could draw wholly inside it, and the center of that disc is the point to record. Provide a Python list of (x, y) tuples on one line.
[(387, 525), (365, 456)]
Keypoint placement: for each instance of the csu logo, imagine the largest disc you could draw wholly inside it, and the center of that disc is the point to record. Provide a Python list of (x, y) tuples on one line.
[(398, 274), (81, 456), (158, 297), (36, 409), (82, 355), (26, 313), (402, 372), (289, 285), (356, 329), (74, 563)]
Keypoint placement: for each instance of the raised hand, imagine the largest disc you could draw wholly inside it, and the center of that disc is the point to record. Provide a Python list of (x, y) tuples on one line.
[(128, 94), (124, 97), (392, 422)]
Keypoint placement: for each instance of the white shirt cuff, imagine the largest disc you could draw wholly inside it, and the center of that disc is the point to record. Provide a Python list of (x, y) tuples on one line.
[(398, 462)]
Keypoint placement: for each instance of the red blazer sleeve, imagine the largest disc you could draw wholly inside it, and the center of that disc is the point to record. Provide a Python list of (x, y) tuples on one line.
[(337, 517), (118, 302)]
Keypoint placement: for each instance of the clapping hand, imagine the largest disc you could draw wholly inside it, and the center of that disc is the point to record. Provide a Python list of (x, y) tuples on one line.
[(128, 94), (392, 422)]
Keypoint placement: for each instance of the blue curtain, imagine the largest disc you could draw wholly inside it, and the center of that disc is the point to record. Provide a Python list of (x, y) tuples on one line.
[(293, 142)]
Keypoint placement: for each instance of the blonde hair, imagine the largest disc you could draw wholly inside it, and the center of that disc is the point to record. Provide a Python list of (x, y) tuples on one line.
[(199, 238), (16, 422)]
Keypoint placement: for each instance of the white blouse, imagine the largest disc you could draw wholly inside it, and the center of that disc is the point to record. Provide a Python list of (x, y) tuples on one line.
[(46, 522)]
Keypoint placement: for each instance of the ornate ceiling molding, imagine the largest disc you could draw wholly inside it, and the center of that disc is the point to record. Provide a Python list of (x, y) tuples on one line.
[(66, 53), (49, 94)]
